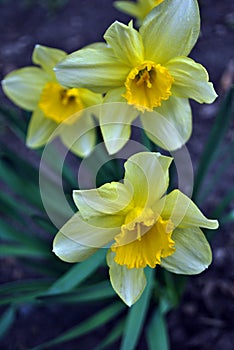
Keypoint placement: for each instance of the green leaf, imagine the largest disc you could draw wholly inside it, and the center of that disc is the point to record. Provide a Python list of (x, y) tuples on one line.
[(23, 286), (156, 333), (24, 239), (114, 335), (223, 162), (223, 204), (91, 293), (15, 120), (77, 274), (87, 326), (6, 321), (10, 207), (136, 315), (228, 218), (216, 136), (22, 251), (30, 297), (21, 292)]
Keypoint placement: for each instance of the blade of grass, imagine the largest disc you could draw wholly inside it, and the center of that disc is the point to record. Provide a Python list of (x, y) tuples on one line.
[(14, 119), (22, 286), (97, 291), (228, 218), (45, 223), (6, 321), (225, 160), (87, 326), (112, 337), (22, 251), (77, 274), (10, 207), (223, 204), (156, 333), (16, 183), (9, 233), (136, 316), (51, 266), (216, 136), (30, 297)]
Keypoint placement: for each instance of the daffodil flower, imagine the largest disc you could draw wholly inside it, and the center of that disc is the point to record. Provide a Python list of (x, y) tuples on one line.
[(37, 89), (140, 224), (138, 9), (148, 69)]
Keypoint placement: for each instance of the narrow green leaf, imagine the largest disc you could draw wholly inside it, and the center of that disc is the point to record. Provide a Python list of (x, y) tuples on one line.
[(228, 218), (45, 223), (23, 286), (23, 239), (112, 337), (17, 123), (223, 204), (156, 334), (51, 267), (10, 207), (216, 136), (77, 274), (87, 326), (224, 161), (6, 321), (92, 293), (21, 251), (30, 297), (16, 183), (173, 291), (136, 315)]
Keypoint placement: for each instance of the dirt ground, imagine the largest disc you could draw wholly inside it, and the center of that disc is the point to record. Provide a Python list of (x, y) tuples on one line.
[(205, 319)]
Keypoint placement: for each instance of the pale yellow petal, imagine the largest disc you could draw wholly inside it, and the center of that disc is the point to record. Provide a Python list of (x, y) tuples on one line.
[(129, 284), (111, 198), (147, 172), (115, 122), (79, 135), (126, 43), (95, 68), (183, 212), (47, 58), (191, 80), (170, 30), (40, 129), (69, 250), (170, 125), (95, 233), (24, 86), (192, 254)]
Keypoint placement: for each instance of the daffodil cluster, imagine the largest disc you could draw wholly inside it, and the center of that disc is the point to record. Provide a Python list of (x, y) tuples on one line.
[(143, 73)]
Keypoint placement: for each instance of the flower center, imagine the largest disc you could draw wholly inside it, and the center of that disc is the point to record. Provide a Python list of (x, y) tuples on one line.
[(143, 240), (147, 85), (59, 103)]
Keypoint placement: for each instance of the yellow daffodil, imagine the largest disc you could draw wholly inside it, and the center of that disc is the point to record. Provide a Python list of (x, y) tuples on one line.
[(139, 224), (148, 69), (37, 89), (138, 9)]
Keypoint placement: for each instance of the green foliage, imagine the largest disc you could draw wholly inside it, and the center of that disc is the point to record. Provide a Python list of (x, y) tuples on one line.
[(213, 148)]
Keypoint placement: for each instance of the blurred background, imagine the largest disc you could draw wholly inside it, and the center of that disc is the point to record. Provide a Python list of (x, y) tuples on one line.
[(204, 320)]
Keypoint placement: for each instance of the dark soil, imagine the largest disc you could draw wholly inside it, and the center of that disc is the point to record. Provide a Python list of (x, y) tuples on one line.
[(204, 320)]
